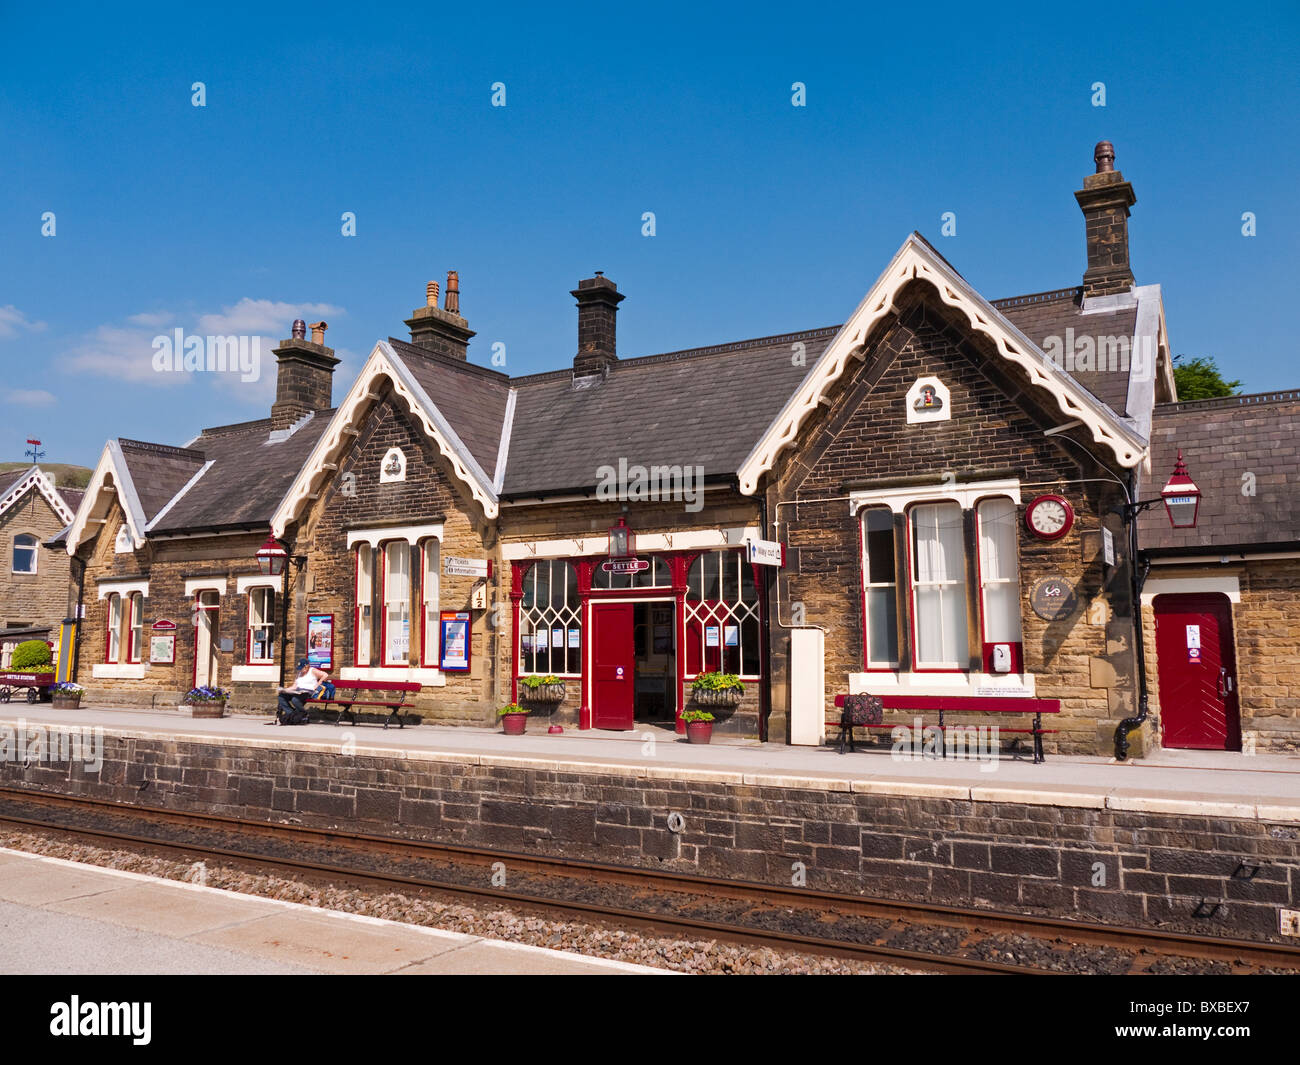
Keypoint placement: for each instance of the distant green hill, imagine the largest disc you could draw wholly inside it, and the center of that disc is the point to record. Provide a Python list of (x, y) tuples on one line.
[(65, 476)]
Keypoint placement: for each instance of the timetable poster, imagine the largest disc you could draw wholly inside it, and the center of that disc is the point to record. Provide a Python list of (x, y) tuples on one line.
[(320, 641), (455, 641)]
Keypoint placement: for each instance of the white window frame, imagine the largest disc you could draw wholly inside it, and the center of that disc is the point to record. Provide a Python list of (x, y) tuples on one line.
[(113, 630), (723, 613), (134, 628), (34, 548), (545, 617)]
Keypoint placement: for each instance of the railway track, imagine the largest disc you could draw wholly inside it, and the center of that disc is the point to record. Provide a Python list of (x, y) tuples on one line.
[(681, 905)]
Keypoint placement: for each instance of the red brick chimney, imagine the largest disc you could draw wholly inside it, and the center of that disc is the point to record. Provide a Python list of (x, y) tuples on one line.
[(441, 329), (1105, 200), (598, 299), (304, 375)]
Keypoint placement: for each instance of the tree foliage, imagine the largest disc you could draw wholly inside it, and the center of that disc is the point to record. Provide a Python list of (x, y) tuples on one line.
[(1201, 378)]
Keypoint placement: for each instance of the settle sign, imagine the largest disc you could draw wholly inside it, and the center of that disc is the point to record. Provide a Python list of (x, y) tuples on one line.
[(625, 565)]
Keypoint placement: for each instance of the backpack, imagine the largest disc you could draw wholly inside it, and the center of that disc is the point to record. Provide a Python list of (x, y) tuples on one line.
[(297, 716)]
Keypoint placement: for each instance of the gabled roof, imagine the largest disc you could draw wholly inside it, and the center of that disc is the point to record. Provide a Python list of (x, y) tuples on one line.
[(1242, 452), (406, 377), (35, 479), (915, 261), (111, 479)]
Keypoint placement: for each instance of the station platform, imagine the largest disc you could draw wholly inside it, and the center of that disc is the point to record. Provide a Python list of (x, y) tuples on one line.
[(66, 918), (1263, 787)]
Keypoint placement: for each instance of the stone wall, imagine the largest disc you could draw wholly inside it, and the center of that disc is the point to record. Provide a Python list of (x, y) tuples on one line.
[(1137, 868)]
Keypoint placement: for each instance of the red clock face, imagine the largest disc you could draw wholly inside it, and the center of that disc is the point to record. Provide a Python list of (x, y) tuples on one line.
[(1049, 517)]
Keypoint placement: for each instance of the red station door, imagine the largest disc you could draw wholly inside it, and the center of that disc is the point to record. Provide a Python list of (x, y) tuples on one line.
[(613, 685), (1198, 672)]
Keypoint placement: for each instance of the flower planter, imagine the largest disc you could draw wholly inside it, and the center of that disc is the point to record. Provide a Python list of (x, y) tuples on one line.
[(543, 693), (699, 731), (67, 702), (724, 697), (212, 709), (514, 724)]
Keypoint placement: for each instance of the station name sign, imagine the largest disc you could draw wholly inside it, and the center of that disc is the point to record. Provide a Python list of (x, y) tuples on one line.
[(625, 565), (466, 567), (766, 552)]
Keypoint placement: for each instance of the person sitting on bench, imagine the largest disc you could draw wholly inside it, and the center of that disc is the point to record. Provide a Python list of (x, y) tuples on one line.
[(292, 709)]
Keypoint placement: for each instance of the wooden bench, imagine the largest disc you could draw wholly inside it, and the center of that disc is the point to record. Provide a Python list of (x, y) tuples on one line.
[(962, 704), (350, 693)]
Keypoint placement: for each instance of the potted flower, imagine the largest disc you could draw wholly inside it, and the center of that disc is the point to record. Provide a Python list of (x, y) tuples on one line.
[(699, 726), (67, 695), (539, 689), (514, 719), (206, 701), (717, 689)]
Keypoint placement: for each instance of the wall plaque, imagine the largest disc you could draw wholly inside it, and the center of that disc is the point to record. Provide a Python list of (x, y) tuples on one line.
[(1053, 598)]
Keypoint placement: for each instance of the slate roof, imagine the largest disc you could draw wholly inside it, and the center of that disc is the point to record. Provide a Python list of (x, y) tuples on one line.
[(1222, 440), (158, 471), (1050, 314), (704, 406), (472, 398), (248, 478)]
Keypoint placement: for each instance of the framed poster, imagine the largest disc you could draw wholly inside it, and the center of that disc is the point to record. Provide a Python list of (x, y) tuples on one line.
[(320, 641), (455, 641), (711, 634), (162, 642), (731, 635)]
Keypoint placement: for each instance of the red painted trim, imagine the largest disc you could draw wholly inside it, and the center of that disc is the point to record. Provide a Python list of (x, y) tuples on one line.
[(383, 621), (986, 645), (1069, 517), (248, 653), (424, 606), (194, 669), (108, 629), (132, 645)]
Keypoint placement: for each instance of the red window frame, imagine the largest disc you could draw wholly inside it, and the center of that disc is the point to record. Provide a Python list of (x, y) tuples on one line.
[(133, 648), (429, 642), (109, 658), (986, 645), (911, 586), (359, 606)]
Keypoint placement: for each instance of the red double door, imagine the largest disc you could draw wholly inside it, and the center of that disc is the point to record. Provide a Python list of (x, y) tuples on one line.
[(1197, 666), (613, 669)]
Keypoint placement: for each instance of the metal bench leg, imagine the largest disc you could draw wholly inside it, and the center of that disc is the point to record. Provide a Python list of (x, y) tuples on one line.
[(1038, 739)]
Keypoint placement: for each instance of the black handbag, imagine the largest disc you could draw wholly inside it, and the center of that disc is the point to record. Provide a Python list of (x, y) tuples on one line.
[(863, 710)]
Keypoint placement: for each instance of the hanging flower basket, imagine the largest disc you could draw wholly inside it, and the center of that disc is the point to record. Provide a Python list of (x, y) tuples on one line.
[(717, 689), (548, 689)]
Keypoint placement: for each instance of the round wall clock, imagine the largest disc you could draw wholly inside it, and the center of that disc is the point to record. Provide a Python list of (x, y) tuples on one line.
[(1049, 517)]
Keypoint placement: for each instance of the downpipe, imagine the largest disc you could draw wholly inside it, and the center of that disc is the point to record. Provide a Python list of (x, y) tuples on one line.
[(1138, 570)]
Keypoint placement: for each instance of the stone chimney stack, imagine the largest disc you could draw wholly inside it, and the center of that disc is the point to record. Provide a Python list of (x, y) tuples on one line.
[(441, 329), (304, 375), (598, 299), (1105, 200)]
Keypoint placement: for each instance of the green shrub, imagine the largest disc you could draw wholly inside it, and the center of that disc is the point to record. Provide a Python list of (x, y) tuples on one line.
[(536, 681), (697, 715), (31, 653), (513, 708)]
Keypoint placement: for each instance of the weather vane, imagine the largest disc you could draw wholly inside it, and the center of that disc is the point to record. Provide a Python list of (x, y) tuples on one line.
[(34, 452)]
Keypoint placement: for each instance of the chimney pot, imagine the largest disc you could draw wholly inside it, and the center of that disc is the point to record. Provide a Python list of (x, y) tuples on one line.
[(304, 375), (453, 292), (318, 332), (1104, 156), (299, 329), (431, 294)]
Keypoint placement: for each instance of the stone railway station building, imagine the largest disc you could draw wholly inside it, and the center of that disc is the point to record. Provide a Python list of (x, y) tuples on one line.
[(946, 474)]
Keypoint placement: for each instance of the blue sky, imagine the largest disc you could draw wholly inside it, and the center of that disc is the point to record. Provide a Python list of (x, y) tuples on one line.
[(769, 218)]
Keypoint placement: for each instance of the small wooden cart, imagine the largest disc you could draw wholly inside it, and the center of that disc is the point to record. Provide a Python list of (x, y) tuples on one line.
[(38, 686)]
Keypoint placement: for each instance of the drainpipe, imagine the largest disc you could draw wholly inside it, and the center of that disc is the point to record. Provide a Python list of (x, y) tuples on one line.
[(78, 616), (284, 616), (1138, 573)]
